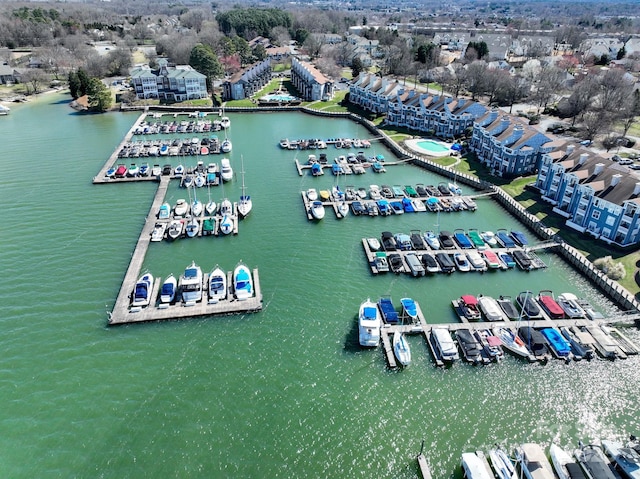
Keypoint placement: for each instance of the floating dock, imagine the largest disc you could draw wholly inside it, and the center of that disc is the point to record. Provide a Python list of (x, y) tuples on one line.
[(122, 312)]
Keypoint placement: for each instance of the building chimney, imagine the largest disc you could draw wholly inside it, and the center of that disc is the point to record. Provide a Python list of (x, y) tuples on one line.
[(570, 149), (615, 179), (636, 190), (583, 158), (598, 169)]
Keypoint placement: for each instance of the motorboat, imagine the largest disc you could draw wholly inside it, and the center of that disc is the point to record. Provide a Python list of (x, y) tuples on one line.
[(225, 122), (174, 231), (317, 210), (187, 181), (226, 224), (407, 205), (369, 322), (181, 208), (200, 180), (384, 206), (474, 467), (226, 172), (312, 194), (470, 346), (190, 284), (491, 258), (403, 241), (489, 237), (430, 264), (513, 343), (380, 262), (242, 282), (396, 264), (111, 172), (397, 207), (168, 289), (507, 259), (462, 239), (409, 309), (522, 259), (179, 170), (415, 265), (357, 208), (144, 169), (535, 342), (533, 462), (462, 263), (508, 308), (156, 170), (552, 308), (560, 347), (192, 228), (343, 209), (432, 240), (444, 344), (563, 463), (593, 462), (467, 307), (569, 304), (520, 238), (490, 308), (446, 240), (476, 239), (528, 305), (581, 347), (133, 170), (374, 244), (121, 171), (626, 457), (401, 349), (502, 464), (157, 234), (476, 261), (504, 239), (164, 212), (388, 241), (226, 146), (445, 262), (491, 344), (388, 311), (142, 291), (417, 241), (217, 285)]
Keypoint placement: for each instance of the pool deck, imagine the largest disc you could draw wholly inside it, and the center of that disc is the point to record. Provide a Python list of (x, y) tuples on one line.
[(413, 145)]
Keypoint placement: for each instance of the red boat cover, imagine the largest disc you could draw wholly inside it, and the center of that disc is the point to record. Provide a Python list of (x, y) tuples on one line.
[(494, 341), (470, 300), (551, 306)]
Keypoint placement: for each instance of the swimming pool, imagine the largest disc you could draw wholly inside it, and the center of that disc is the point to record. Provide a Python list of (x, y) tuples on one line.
[(281, 97), (429, 147)]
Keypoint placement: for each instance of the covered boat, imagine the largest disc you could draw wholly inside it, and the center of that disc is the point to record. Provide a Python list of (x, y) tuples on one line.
[(533, 462), (549, 304), (468, 306), (401, 348), (507, 259), (444, 344), (473, 467), (522, 259), (242, 282), (462, 239), (520, 238), (507, 306), (504, 239), (470, 346), (490, 308), (528, 305), (217, 285), (492, 259), (388, 310), (369, 322), (168, 289), (559, 345), (535, 342), (476, 239), (142, 291), (569, 304)]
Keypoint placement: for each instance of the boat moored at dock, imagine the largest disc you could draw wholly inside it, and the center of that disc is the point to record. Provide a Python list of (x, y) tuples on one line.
[(533, 462), (141, 295), (369, 322), (242, 282), (190, 284)]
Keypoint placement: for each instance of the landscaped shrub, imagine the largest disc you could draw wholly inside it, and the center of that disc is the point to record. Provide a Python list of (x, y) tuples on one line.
[(609, 267)]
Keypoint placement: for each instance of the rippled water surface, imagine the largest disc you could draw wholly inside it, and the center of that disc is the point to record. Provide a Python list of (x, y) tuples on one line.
[(283, 393)]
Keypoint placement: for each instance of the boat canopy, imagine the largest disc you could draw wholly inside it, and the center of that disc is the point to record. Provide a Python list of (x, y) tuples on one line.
[(370, 313), (470, 300)]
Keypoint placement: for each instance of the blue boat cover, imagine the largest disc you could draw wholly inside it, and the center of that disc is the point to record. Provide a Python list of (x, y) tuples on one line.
[(410, 306), (557, 341), (504, 237), (407, 205), (167, 288), (389, 313), (191, 273), (242, 280), (141, 290), (463, 240), (370, 312)]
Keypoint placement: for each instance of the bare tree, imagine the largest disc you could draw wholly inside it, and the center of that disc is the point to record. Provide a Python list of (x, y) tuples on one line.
[(313, 45), (580, 99), (476, 78), (34, 80), (550, 83), (594, 124)]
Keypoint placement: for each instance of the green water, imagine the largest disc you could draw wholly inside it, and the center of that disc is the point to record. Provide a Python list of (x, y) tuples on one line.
[(282, 393)]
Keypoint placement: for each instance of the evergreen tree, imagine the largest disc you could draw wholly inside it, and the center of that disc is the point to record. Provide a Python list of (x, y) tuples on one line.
[(99, 95), (204, 60), (84, 82), (74, 85), (356, 66)]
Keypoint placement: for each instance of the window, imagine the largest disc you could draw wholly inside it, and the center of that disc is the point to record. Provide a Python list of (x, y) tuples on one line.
[(610, 220), (596, 215)]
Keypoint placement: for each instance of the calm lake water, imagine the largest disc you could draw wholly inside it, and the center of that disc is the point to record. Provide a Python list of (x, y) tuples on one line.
[(286, 392)]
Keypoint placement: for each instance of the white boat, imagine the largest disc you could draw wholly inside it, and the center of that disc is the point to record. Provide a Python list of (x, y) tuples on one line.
[(534, 462), (489, 237), (401, 348), (225, 122), (168, 289), (226, 172), (4, 110), (490, 308), (196, 207), (181, 208), (569, 304), (476, 260), (191, 283), (317, 210), (179, 170), (192, 227), (502, 464), (245, 204), (473, 466), (513, 343), (312, 194), (164, 212), (242, 282), (226, 208), (374, 244), (200, 180), (343, 209), (444, 344), (225, 146), (133, 170), (142, 291), (418, 205), (217, 285), (174, 231), (158, 231), (156, 170), (561, 460), (210, 207), (626, 457), (432, 240), (369, 322), (226, 224)]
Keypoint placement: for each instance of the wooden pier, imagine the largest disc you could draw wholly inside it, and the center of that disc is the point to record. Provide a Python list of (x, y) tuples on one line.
[(122, 312)]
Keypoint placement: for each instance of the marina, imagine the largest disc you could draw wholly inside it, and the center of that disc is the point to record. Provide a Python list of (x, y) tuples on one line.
[(161, 397)]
